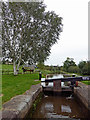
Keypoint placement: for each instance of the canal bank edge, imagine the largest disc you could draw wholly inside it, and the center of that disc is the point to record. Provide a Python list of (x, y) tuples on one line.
[(19, 106), (83, 94)]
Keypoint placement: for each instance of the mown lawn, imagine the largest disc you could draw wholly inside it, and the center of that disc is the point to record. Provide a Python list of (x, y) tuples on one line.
[(86, 82), (15, 85), (8, 69), (4, 66)]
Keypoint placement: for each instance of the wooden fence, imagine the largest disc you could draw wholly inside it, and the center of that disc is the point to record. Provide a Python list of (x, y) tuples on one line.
[(8, 72)]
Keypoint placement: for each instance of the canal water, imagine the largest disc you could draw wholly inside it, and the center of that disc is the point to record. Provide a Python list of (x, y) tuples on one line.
[(60, 107), (51, 83)]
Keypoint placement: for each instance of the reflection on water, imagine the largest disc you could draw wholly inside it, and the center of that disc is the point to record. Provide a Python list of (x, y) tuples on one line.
[(58, 107), (65, 109), (53, 77)]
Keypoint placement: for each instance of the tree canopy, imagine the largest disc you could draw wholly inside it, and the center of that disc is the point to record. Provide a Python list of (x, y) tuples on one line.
[(28, 32), (68, 62), (84, 67)]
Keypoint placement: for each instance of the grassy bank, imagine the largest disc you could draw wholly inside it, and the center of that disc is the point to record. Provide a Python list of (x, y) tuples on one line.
[(86, 82), (8, 69), (15, 85)]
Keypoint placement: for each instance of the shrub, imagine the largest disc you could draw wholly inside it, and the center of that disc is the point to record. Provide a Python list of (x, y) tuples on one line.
[(74, 69)]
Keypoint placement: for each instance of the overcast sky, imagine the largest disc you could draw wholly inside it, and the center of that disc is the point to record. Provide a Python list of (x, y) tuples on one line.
[(73, 41)]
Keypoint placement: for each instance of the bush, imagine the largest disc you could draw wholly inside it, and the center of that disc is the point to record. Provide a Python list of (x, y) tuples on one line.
[(41, 66), (84, 67), (74, 69)]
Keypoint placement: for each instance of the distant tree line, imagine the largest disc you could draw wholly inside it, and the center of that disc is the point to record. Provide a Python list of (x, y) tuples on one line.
[(82, 68), (69, 65)]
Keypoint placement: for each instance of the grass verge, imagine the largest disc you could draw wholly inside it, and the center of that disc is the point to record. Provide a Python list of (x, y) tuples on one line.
[(86, 82), (16, 85)]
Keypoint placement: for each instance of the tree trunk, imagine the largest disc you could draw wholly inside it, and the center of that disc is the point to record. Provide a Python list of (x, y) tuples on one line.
[(18, 67), (19, 61), (14, 68)]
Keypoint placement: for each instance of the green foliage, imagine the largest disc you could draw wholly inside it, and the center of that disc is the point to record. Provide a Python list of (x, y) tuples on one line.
[(68, 62), (81, 64), (47, 67), (41, 66), (73, 69), (28, 32), (84, 67), (84, 70), (88, 62)]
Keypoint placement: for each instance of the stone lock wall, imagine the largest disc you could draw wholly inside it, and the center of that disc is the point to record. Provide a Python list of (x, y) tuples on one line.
[(83, 93), (19, 105)]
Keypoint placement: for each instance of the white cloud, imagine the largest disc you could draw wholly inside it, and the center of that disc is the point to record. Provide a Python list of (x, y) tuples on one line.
[(74, 38)]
